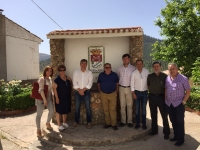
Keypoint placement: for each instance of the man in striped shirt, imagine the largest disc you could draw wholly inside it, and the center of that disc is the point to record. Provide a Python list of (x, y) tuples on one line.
[(126, 100)]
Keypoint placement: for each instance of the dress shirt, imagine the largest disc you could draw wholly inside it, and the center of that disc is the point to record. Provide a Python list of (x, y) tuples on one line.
[(139, 80), (156, 83), (82, 79), (175, 89), (124, 74)]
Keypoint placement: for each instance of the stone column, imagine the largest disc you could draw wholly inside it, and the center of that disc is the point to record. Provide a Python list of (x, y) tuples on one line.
[(57, 54), (135, 48), (3, 64), (57, 58), (136, 52)]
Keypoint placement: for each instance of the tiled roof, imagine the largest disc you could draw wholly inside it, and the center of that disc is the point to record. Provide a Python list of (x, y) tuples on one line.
[(96, 31), (24, 29)]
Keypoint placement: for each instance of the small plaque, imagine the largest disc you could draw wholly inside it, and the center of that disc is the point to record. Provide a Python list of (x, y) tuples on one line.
[(96, 58)]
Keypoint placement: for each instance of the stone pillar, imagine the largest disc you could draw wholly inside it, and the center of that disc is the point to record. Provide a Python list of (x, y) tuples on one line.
[(135, 48), (57, 54), (136, 52), (57, 58), (3, 64)]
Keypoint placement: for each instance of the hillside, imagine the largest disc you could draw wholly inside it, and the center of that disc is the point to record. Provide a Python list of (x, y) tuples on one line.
[(43, 56), (44, 63), (148, 41)]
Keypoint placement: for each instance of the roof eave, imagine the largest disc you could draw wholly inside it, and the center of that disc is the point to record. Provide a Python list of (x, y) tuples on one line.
[(65, 36)]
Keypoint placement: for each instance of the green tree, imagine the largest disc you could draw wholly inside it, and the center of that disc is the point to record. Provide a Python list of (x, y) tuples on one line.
[(180, 26)]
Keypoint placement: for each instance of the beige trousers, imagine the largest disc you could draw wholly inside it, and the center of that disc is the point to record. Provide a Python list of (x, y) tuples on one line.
[(126, 100), (109, 102)]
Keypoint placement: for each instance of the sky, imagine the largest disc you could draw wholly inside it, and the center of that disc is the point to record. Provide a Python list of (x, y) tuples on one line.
[(82, 14)]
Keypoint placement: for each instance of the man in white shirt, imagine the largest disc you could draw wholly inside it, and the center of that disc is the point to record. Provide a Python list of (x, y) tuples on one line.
[(126, 100), (82, 82), (139, 90)]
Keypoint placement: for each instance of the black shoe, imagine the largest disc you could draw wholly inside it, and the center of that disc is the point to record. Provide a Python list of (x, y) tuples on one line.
[(137, 126), (130, 125), (115, 127), (153, 133), (121, 124), (166, 137), (178, 143), (173, 139), (144, 127), (107, 126)]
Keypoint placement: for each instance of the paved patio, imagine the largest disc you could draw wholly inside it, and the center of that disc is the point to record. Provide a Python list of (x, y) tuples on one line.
[(20, 134)]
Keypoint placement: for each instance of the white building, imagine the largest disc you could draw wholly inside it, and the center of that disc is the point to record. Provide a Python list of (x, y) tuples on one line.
[(19, 51)]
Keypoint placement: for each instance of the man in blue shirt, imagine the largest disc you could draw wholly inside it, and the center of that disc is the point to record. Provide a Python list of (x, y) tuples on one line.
[(108, 88)]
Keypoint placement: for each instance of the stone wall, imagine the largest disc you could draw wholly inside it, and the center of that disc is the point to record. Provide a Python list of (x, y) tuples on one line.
[(135, 48), (96, 108)]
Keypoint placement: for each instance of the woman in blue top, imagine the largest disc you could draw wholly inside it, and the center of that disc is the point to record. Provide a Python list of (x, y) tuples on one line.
[(62, 90)]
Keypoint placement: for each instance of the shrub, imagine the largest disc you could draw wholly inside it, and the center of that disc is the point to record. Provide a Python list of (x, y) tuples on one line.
[(2, 102), (194, 100), (18, 102), (15, 97)]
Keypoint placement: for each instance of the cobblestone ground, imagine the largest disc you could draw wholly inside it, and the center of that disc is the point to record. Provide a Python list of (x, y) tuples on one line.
[(19, 133)]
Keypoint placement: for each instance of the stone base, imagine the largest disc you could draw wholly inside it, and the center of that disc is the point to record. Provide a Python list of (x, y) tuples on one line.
[(97, 136)]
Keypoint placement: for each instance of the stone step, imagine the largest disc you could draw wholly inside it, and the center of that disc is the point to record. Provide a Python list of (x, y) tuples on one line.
[(97, 136)]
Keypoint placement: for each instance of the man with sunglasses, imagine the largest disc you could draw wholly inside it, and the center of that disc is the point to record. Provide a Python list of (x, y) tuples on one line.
[(108, 88), (82, 82)]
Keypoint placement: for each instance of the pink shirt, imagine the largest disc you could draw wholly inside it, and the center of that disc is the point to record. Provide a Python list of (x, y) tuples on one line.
[(124, 74)]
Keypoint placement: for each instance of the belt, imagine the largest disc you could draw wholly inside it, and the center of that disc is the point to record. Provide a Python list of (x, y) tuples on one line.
[(140, 91), (124, 86), (156, 94), (108, 92)]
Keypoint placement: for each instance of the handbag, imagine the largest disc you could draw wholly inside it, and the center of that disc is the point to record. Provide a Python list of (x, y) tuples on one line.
[(35, 94)]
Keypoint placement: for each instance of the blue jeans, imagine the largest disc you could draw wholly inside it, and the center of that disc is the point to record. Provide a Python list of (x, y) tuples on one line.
[(78, 100), (141, 99)]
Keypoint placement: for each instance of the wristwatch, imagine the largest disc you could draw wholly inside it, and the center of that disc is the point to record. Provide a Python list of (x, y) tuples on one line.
[(183, 102)]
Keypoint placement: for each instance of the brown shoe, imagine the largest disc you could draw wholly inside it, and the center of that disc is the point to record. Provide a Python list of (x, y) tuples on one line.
[(75, 124), (39, 134), (49, 126), (89, 126)]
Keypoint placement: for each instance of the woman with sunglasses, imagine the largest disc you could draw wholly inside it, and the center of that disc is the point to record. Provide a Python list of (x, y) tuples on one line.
[(47, 101), (62, 89)]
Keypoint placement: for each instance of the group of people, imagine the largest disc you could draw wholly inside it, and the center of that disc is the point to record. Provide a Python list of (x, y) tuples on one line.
[(134, 84)]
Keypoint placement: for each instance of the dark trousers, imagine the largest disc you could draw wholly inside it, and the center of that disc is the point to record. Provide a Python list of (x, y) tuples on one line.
[(78, 100), (176, 115), (158, 101)]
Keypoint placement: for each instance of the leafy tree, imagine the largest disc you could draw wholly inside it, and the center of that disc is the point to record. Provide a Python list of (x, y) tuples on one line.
[(196, 72), (180, 26)]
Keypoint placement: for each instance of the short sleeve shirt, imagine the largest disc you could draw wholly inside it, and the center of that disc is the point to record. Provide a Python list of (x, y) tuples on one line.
[(108, 82), (175, 89)]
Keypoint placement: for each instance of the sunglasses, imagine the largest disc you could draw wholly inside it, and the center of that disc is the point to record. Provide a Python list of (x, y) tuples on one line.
[(107, 67), (61, 70)]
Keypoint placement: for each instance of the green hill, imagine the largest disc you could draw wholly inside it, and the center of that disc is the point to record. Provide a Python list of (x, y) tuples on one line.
[(44, 63), (147, 49)]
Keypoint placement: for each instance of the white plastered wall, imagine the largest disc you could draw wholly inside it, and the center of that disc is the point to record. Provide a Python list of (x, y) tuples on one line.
[(22, 58), (77, 49)]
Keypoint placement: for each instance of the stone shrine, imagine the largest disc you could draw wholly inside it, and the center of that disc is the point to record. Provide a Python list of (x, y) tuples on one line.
[(68, 47)]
